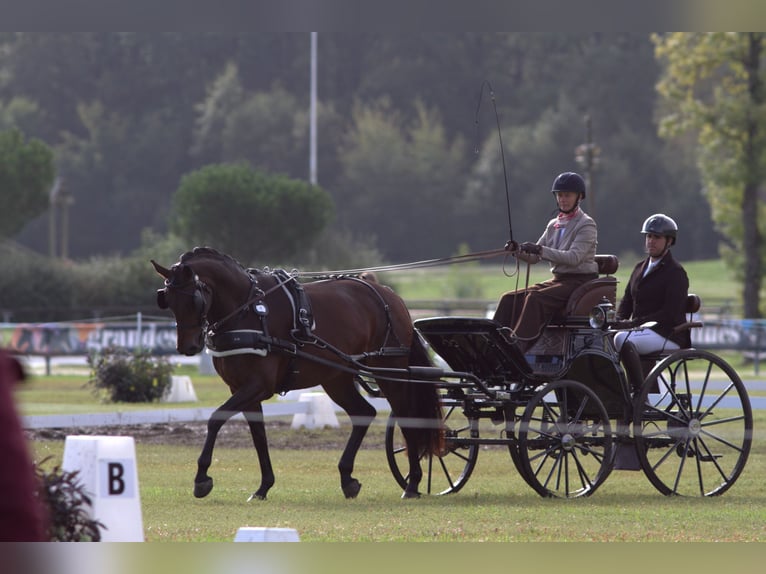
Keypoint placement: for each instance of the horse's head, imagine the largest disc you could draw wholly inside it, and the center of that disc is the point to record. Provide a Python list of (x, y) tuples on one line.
[(189, 299)]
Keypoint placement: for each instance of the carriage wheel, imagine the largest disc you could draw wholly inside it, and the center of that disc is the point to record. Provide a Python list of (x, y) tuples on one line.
[(693, 428), (566, 444), (450, 470)]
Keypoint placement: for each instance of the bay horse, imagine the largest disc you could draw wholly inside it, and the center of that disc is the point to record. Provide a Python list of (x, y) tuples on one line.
[(269, 334)]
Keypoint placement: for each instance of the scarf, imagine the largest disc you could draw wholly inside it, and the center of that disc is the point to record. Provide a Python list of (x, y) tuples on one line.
[(561, 220)]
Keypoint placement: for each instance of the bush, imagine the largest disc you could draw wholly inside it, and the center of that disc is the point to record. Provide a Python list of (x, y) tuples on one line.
[(122, 376), (66, 502)]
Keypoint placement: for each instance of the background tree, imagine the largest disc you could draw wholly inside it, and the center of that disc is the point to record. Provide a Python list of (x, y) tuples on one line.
[(128, 114), (26, 176), (713, 85), (400, 180), (255, 217)]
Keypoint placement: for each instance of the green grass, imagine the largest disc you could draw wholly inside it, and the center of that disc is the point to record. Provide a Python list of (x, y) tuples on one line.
[(494, 506), (69, 394), (711, 280)]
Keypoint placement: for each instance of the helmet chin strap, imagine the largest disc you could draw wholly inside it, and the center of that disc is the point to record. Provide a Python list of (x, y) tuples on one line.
[(668, 245)]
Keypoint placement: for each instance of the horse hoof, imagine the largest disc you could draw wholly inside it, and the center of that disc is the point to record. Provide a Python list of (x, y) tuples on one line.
[(202, 489), (256, 496), (407, 494), (351, 490)]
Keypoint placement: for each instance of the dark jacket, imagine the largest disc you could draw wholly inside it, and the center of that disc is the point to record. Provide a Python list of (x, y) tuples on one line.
[(660, 296)]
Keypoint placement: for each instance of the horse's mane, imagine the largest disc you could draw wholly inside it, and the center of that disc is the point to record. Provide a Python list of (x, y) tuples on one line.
[(210, 253)]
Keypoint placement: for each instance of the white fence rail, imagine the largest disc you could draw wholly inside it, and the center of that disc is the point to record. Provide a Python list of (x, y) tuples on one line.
[(171, 415)]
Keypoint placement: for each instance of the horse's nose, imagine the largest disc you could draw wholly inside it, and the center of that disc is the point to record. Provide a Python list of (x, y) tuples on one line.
[(190, 348)]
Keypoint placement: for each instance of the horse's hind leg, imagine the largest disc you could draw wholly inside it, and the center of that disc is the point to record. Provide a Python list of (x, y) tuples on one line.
[(362, 414), (258, 432)]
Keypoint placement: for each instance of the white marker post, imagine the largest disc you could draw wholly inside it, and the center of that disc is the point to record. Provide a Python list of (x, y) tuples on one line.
[(108, 473), (259, 534)]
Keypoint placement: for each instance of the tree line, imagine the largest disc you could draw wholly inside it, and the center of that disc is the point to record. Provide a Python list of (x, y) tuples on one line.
[(426, 142)]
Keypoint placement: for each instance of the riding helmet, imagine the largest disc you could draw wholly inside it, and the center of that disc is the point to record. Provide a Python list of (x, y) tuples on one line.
[(569, 181), (661, 224)]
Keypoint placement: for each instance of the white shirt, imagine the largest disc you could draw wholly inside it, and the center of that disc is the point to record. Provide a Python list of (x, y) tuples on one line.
[(651, 265)]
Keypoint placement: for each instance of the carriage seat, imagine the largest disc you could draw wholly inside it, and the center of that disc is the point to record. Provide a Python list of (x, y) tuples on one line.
[(693, 304), (590, 294)]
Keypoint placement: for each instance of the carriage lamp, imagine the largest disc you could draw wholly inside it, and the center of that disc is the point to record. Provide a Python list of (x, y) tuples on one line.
[(602, 314)]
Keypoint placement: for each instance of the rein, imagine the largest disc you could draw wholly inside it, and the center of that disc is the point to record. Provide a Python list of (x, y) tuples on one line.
[(412, 265)]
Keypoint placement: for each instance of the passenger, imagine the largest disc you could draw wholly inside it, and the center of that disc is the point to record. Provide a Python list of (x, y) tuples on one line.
[(657, 291), (569, 245)]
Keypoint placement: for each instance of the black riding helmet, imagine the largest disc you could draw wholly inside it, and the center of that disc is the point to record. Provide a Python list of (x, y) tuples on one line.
[(661, 224), (569, 181)]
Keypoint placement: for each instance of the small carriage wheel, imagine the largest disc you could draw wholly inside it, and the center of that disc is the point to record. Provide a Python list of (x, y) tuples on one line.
[(566, 445), (693, 424), (444, 473)]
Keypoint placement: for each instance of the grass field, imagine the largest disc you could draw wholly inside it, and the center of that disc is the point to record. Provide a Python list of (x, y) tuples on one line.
[(495, 505)]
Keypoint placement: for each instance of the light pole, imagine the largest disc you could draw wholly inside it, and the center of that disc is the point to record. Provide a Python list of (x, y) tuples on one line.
[(59, 200), (313, 113), (587, 157)]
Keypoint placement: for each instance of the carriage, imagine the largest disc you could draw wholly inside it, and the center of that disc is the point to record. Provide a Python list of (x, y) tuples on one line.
[(568, 411)]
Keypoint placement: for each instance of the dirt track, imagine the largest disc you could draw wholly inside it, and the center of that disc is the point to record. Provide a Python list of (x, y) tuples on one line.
[(234, 434)]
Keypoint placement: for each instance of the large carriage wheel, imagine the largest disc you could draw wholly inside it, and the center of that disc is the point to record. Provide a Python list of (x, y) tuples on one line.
[(566, 444), (450, 470), (693, 424)]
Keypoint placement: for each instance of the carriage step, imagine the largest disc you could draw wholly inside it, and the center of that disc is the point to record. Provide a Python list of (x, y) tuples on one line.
[(691, 453), (710, 457)]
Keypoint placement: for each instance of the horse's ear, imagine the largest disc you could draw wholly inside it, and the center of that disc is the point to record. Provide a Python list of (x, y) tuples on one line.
[(160, 269)]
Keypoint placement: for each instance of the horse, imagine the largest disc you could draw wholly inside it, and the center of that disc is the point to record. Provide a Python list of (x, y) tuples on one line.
[(269, 333)]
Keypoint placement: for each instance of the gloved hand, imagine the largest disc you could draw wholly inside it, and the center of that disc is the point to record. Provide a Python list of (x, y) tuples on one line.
[(511, 246), (533, 248), (620, 324)]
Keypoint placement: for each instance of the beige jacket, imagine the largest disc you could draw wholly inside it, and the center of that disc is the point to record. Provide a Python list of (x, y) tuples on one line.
[(574, 251)]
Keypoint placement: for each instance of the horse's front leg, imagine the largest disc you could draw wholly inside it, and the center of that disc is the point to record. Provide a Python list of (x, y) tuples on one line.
[(236, 403), (203, 484), (258, 432)]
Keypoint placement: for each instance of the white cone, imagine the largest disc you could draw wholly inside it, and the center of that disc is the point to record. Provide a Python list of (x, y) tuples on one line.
[(181, 390), (319, 414)]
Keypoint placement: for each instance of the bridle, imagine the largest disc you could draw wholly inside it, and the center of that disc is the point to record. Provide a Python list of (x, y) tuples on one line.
[(200, 294)]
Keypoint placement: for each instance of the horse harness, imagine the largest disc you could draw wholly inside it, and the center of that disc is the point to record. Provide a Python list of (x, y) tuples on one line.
[(225, 343)]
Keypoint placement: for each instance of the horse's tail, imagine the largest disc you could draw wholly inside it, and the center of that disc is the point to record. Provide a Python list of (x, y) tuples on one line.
[(425, 403)]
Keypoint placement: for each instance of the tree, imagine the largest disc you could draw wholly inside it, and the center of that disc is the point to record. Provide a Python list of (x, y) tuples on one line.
[(26, 175), (400, 178), (713, 86), (251, 215)]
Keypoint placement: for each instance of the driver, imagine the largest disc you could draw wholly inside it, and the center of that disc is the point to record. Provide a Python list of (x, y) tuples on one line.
[(569, 244)]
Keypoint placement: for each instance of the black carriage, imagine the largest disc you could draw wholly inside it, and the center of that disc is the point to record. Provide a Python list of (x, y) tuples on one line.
[(569, 413)]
